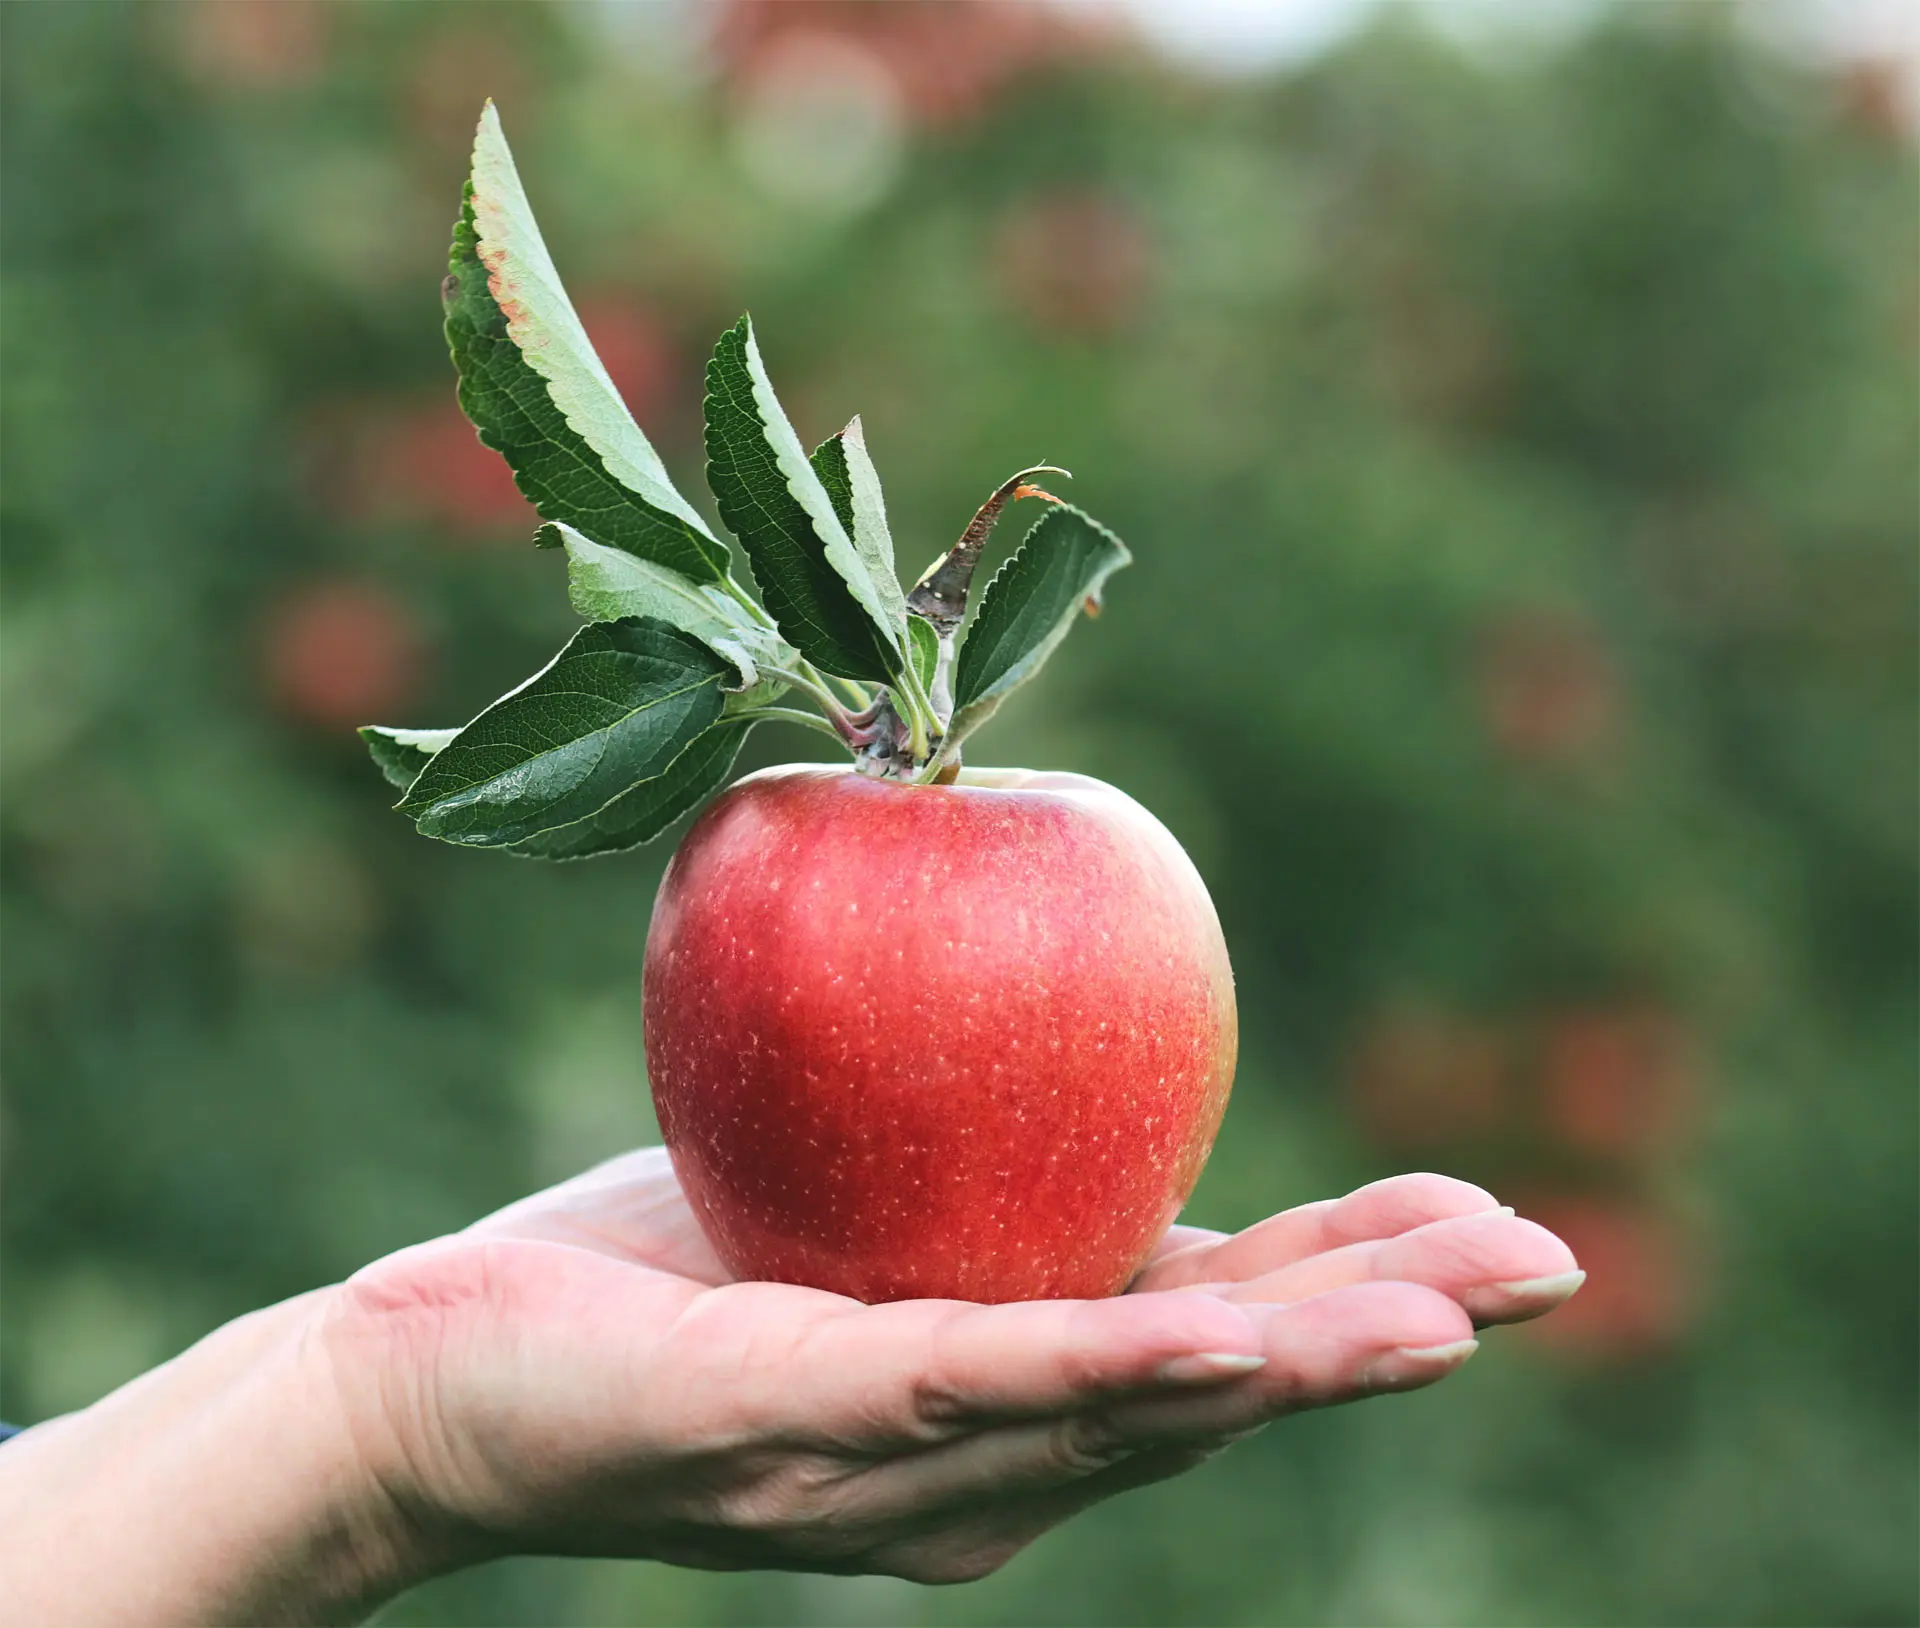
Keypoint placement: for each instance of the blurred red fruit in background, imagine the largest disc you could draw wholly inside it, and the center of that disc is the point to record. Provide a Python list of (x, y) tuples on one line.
[(1880, 96), (1619, 1082), (338, 654), (949, 57), (1547, 687), (1074, 262), (432, 463), (1425, 1079), (252, 44), (1637, 1297), (377, 463), (638, 355)]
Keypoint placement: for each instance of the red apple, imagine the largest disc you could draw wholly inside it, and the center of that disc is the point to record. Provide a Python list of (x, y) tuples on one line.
[(913, 1032), (967, 1041)]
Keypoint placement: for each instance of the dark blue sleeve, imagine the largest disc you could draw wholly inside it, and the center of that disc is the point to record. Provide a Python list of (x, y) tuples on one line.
[(7, 1430)]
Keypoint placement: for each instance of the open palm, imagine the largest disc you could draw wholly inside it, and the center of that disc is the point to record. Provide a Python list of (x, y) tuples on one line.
[(578, 1373)]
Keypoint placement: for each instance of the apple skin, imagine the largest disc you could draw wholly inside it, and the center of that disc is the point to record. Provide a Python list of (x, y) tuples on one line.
[(965, 1042)]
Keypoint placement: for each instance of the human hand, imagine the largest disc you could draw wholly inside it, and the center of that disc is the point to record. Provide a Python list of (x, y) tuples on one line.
[(577, 1374)]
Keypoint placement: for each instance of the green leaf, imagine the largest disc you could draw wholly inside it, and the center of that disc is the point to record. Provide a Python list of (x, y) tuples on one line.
[(829, 461), (1028, 608), (614, 708), (403, 753), (537, 392), (815, 584), (853, 484), (606, 584), (923, 641), (649, 808)]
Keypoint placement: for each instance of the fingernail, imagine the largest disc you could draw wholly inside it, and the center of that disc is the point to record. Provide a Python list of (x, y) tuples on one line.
[(1416, 1365), (1206, 1367), (1495, 1298), (1505, 1209), (1556, 1287)]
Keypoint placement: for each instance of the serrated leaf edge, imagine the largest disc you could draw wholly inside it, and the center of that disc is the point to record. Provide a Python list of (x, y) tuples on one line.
[(467, 795), (969, 715), (742, 725), (505, 229), (790, 458)]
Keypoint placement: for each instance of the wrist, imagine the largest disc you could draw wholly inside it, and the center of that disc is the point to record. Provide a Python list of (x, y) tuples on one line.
[(349, 1528), (229, 1485)]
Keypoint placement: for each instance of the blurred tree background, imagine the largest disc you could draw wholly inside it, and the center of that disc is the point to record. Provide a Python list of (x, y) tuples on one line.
[(1515, 426)]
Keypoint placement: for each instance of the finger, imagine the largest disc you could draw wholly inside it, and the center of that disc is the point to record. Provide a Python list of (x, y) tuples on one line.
[(1363, 1340), (920, 1372), (1355, 1342), (1379, 1210), (1178, 1238), (1500, 1268)]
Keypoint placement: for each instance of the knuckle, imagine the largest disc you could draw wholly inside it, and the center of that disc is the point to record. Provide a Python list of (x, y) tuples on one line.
[(798, 1496), (1083, 1443), (936, 1401), (936, 1406)]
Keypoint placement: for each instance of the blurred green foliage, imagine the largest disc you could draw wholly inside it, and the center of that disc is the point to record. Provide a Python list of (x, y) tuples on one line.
[(1519, 459)]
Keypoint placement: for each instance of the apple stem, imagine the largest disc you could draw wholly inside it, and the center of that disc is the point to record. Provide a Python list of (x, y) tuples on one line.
[(853, 728), (857, 736), (889, 750), (855, 693), (792, 715)]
